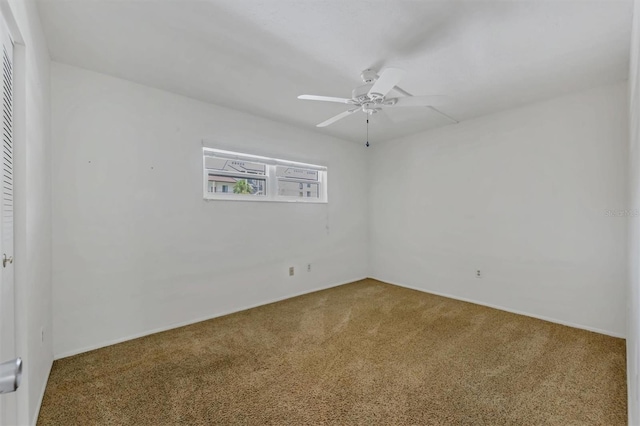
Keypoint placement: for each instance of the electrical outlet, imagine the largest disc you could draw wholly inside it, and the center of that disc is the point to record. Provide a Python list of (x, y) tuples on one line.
[(308, 267), (478, 274), (290, 271)]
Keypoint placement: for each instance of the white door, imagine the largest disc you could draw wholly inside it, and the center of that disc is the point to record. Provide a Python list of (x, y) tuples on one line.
[(8, 402)]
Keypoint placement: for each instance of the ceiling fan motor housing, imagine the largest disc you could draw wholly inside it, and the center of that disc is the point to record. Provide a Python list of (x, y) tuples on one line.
[(361, 94)]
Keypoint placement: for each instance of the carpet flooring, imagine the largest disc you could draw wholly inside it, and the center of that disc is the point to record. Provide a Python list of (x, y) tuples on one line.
[(362, 353)]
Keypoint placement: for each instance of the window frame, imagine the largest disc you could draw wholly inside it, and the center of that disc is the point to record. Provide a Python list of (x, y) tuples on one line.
[(270, 177)]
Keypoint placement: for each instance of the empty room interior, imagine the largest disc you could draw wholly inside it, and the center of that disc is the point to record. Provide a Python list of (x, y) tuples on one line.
[(294, 212)]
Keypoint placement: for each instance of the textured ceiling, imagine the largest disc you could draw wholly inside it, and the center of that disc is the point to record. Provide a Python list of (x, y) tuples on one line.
[(258, 55)]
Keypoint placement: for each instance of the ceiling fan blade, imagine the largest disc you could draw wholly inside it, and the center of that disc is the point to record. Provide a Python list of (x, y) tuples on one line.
[(407, 115), (325, 99), (390, 116), (420, 101), (337, 117), (389, 78)]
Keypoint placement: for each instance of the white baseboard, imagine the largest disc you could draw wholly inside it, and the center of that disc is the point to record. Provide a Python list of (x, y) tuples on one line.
[(502, 308), (34, 420), (184, 323)]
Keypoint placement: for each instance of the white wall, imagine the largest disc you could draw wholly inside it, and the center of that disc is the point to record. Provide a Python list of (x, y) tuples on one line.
[(32, 203), (520, 195), (633, 300), (136, 249)]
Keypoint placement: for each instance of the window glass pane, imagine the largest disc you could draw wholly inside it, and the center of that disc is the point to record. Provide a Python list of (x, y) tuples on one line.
[(220, 184), (296, 173)]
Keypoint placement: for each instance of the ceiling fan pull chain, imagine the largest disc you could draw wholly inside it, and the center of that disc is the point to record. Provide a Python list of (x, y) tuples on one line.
[(367, 144)]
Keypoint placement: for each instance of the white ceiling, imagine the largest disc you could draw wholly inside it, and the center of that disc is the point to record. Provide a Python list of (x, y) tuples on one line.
[(258, 55)]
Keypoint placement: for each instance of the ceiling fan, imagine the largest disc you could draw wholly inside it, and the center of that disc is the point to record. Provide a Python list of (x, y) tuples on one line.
[(371, 97)]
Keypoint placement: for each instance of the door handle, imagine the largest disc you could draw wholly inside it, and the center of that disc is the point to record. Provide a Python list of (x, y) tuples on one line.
[(6, 260), (10, 375)]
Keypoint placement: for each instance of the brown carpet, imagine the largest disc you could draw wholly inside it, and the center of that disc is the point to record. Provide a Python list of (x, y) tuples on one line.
[(362, 353)]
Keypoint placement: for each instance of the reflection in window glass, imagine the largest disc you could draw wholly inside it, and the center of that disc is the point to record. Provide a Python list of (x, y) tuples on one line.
[(287, 188), (234, 166)]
